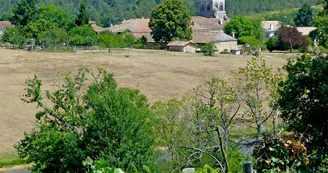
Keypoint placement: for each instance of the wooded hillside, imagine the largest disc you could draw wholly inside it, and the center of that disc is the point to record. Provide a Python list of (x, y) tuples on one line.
[(113, 11)]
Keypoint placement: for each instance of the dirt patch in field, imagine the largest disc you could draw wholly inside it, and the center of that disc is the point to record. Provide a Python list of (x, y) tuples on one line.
[(158, 74)]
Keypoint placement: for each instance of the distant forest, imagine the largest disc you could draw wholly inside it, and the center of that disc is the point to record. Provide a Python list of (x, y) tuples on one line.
[(109, 12)]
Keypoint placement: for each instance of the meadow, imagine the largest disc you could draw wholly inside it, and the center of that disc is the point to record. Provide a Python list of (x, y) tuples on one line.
[(158, 75)]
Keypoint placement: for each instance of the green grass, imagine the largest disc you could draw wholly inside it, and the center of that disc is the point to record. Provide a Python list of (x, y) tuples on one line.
[(10, 160)]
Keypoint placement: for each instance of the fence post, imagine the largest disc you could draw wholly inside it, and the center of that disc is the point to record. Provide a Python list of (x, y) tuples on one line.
[(248, 168)]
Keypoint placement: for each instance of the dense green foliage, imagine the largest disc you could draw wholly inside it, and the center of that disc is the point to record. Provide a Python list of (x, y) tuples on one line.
[(14, 37), (271, 44), (83, 35), (53, 39), (303, 99), (24, 12), (320, 35), (97, 120), (304, 16), (303, 102), (170, 20), (114, 11), (208, 49), (250, 43), (245, 27), (83, 16)]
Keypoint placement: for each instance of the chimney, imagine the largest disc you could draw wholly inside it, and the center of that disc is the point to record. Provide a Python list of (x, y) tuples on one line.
[(233, 34), (271, 27)]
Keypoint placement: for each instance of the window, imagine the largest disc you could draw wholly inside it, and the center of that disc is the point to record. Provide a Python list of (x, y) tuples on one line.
[(208, 7), (221, 7)]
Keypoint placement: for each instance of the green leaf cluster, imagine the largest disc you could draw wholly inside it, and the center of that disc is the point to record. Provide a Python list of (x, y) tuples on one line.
[(88, 118), (208, 49), (245, 27), (304, 16), (170, 20)]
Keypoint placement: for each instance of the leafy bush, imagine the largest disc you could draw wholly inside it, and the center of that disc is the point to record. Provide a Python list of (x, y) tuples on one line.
[(208, 169), (82, 36), (271, 44), (98, 120), (14, 37), (279, 154), (208, 49)]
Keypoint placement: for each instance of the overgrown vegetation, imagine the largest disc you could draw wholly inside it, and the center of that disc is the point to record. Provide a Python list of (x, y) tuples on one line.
[(115, 11), (170, 20), (98, 120)]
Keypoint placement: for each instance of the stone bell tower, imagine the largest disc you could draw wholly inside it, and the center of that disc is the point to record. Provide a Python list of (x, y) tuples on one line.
[(212, 9)]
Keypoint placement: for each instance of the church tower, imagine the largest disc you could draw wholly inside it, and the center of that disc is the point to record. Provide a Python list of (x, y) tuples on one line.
[(212, 9)]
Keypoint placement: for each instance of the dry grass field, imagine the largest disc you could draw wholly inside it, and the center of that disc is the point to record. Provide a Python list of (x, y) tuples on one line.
[(158, 74)]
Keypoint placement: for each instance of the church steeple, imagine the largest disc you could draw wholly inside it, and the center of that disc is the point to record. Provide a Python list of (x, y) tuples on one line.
[(212, 8)]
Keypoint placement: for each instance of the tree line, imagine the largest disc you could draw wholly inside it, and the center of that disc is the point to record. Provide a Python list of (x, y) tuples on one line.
[(54, 29), (108, 12)]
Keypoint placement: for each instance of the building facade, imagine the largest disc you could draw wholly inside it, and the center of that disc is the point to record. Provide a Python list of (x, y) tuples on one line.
[(212, 9)]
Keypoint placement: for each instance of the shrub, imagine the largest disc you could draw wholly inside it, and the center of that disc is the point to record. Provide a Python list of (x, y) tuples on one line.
[(98, 120), (208, 49)]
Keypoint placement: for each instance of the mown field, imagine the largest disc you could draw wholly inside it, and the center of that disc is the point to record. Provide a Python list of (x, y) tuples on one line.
[(158, 74)]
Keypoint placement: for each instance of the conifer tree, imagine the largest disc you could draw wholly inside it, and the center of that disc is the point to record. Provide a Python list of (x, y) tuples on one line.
[(83, 16), (304, 16)]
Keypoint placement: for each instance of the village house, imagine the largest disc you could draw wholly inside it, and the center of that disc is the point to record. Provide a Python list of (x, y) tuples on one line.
[(4, 25), (182, 46), (222, 42), (207, 27), (305, 30), (270, 28)]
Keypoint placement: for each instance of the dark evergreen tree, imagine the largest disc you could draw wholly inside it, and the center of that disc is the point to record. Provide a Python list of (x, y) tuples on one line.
[(25, 12), (304, 16), (83, 16), (271, 44)]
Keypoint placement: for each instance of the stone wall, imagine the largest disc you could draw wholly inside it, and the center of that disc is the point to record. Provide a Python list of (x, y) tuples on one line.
[(229, 45)]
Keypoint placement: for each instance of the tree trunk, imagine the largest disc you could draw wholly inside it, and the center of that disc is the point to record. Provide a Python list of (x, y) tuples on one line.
[(226, 164)]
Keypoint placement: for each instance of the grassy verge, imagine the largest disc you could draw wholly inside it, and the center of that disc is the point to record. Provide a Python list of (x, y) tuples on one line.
[(10, 160)]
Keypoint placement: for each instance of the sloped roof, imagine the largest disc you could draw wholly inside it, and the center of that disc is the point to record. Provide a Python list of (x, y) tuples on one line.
[(206, 37), (180, 43), (149, 37), (133, 25), (199, 23), (305, 30), (5, 24), (223, 37), (274, 23)]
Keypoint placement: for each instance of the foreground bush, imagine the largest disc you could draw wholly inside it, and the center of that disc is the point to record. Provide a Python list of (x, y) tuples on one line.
[(98, 120)]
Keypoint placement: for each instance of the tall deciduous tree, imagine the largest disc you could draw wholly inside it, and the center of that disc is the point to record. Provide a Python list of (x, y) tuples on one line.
[(83, 16), (170, 20), (304, 16), (258, 83), (25, 12), (244, 27)]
